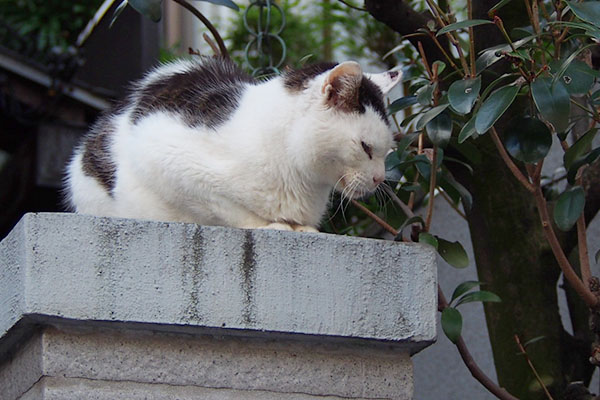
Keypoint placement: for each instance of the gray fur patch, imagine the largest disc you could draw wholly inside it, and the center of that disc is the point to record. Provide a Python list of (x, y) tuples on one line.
[(297, 80), (206, 94), (97, 159)]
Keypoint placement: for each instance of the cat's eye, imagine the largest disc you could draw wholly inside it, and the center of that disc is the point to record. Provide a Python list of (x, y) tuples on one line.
[(368, 149)]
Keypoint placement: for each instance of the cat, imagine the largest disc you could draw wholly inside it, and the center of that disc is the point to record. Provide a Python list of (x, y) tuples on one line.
[(203, 142)]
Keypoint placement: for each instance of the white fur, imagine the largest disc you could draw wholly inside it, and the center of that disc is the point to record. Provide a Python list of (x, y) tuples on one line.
[(272, 164)]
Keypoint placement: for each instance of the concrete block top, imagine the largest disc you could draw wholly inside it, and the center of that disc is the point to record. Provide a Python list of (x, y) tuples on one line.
[(231, 281)]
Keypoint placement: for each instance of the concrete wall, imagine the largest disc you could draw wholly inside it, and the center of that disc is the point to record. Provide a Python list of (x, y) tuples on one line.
[(119, 308)]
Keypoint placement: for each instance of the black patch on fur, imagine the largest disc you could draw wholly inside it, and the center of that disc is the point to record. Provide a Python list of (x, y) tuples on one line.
[(206, 94), (297, 80), (369, 93), (97, 157)]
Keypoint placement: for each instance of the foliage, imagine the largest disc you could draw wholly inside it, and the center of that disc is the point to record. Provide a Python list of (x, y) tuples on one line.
[(530, 85), (350, 34), (43, 24)]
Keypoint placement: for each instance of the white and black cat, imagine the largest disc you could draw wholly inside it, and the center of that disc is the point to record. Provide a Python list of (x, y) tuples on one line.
[(206, 143)]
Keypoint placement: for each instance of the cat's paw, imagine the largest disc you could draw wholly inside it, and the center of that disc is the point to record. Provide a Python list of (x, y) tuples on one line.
[(278, 226), (304, 228)]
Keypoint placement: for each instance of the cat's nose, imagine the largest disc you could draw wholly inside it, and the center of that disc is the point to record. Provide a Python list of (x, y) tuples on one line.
[(377, 179)]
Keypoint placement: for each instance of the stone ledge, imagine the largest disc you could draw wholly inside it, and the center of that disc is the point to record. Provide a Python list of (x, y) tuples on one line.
[(66, 363), (242, 282)]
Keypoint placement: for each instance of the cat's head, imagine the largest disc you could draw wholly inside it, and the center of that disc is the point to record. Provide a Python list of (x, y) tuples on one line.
[(347, 124)]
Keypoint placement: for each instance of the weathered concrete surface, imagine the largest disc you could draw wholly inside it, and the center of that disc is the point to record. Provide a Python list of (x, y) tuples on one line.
[(128, 364), (90, 268), (131, 309)]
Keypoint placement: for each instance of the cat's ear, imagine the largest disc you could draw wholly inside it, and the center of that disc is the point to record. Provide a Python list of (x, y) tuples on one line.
[(342, 85), (386, 80)]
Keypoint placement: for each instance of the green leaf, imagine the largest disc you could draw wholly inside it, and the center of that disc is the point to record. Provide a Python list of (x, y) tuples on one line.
[(463, 25), (406, 121), (533, 340), (117, 12), (392, 160), (401, 104), (495, 82), (493, 54), (588, 11), (528, 139), (462, 94), (441, 66), (429, 239), (406, 141), (565, 64), (463, 288), (569, 207), (494, 106), (553, 102), (394, 50), (482, 295), (456, 160), (498, 6), (467, 130), (425, 94), (453, 253), (448, 182), (452, 323), (578, 163), (439, 129), (431, 114), (579, 148), (148, 8), (578, 78), (226, 3)]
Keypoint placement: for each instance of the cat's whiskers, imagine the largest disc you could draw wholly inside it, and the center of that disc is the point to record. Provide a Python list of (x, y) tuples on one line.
[(340, 205)]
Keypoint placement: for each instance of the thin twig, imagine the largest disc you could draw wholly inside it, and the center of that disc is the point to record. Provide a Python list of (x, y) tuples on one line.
[(424, 59), (535, 14), (582, 290), (537, 376), (211, 43), (222, 49), (407, 211), (445, 53), (352, 6), (467, 358), (374, 217), (509, 162), (432, 184), (584, 258), (449, 35), (471, 40)]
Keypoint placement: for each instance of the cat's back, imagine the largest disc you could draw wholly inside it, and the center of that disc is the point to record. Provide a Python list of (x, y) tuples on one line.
[(202, 93), (171, 103)]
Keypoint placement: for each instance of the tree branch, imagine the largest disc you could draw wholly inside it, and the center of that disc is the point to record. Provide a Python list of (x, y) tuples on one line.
[(400, 16), (467, 358), (375, 218), (582, 290), (208, 24), (509, 162)]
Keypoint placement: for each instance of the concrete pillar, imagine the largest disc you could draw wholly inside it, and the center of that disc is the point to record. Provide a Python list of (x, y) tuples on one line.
[(99, 308)]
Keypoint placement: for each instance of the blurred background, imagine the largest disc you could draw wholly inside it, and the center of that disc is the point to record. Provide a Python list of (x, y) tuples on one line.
[(54, 83)]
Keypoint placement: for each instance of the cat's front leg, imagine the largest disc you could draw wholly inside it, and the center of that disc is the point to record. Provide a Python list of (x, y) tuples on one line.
[(304, 228), (277, 226)]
